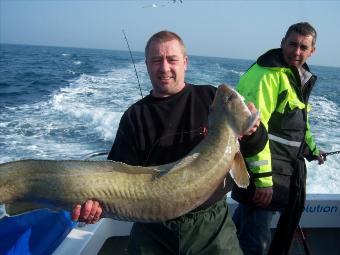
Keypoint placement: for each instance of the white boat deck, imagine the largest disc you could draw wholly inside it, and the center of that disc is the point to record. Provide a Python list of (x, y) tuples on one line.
[(322, 211)]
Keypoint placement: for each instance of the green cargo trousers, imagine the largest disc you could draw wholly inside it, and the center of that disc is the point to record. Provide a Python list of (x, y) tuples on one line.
[(210, 231)]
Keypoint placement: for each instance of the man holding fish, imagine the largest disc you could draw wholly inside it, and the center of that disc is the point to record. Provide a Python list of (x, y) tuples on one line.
[(164, 127)]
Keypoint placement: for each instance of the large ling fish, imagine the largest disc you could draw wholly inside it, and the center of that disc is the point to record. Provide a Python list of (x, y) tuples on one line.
[(136, 193)]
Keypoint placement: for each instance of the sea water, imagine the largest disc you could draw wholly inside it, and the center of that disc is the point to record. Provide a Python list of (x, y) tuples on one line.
[(66, 103)]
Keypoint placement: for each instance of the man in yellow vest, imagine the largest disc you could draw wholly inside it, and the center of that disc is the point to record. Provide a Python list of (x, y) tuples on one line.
[(279, 84)]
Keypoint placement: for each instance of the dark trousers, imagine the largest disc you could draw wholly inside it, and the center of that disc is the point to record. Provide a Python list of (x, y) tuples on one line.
[(291, 214), (253, 223), (209, 231), (253, 228)]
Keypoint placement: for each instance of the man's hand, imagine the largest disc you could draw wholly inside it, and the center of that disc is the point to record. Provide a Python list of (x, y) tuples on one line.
[(322, 157), (252, 109), (89, 212), (263, 196)]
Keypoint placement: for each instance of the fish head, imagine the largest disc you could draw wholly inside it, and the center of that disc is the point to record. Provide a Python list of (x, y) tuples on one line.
[(229, 102)]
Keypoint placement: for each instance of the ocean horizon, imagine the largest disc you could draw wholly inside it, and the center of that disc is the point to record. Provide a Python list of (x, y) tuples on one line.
[(137, 52)]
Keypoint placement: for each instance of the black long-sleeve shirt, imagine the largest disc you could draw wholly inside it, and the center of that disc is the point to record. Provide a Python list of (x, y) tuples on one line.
[(156, 131)]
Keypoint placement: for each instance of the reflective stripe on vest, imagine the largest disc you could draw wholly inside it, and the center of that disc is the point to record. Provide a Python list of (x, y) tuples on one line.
[(257, 163), (284, 141)]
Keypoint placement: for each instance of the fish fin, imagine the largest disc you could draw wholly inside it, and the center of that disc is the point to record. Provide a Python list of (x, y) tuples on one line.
[(168, 168), (164, 169), (186, 161), (239, 171)]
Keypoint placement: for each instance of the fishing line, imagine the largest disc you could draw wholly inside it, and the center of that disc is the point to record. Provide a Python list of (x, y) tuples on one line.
[(133, 62), (102, 153)]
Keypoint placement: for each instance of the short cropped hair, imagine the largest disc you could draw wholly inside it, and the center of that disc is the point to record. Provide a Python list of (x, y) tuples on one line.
[(165, 36), (302, 28)]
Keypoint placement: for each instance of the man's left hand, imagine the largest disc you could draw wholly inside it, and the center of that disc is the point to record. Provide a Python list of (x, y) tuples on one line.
[(252, 109)]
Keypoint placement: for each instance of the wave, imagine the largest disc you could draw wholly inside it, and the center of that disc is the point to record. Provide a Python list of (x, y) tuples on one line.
[(324, 120), (57, 109)]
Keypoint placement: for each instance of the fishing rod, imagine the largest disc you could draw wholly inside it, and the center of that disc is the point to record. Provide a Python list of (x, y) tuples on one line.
[(303, 239), (325, 154), (133, 62), (330, 153)]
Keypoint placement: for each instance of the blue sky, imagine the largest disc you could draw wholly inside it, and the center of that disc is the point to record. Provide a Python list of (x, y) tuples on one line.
[(232, 29)]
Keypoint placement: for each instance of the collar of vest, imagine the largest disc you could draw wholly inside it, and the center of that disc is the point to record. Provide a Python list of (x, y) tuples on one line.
[(274, 58)]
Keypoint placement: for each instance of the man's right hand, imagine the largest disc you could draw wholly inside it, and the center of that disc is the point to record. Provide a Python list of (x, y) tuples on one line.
[(322, 157), (89, 212), (263, 197)]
